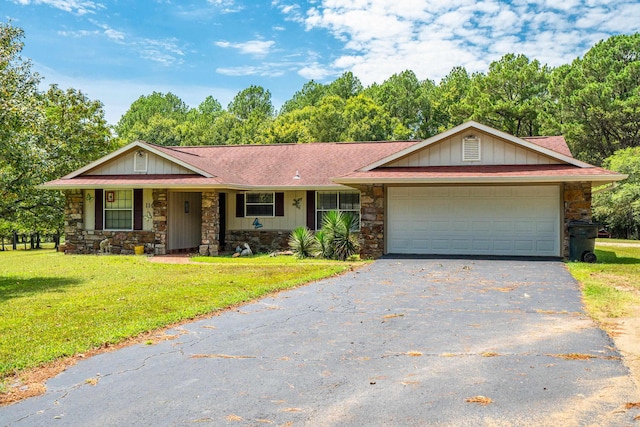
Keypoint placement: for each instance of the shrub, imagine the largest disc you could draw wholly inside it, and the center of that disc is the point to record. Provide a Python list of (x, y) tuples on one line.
[(303, 243)]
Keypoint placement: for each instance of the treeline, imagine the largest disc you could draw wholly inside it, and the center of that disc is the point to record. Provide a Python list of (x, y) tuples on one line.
[(594, 102)]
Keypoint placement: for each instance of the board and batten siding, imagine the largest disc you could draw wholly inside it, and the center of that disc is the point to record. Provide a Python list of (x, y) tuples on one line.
[(493, 151), (292, 218), (90, 206), (124, 165)]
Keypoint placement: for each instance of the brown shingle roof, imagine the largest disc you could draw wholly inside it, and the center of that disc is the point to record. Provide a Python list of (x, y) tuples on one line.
[(276, 165), (555, 143)]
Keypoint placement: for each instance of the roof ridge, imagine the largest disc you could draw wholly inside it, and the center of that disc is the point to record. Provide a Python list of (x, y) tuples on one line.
[(178, 147)]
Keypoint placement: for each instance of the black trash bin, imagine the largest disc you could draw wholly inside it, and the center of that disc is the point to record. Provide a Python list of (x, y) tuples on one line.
[(582, 241)]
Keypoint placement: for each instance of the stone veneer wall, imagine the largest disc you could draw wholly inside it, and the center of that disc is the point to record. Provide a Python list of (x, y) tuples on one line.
[(80, 241), (160, 221), (372, 221), (260, 241), (577, 206), (210, 223), (73, 214)]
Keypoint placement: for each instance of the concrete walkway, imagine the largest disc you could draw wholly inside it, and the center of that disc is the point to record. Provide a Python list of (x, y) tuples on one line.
[(399, 342)]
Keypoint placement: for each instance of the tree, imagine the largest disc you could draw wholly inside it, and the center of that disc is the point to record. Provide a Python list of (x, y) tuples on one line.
[(404, 97), (291, 127), (510, 96), (326, 123), (619, 208), (166, 111), (598, 98), (74, 132), (309, 96), (199, 126), (365, 120), (20, 118), (446, 100), (253, 101), (345, 86)]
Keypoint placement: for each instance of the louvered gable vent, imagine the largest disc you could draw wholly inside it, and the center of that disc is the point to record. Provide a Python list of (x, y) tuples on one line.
[(471, 148)]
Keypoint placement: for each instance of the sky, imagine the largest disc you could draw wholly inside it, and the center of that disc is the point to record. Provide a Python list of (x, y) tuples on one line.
[(116, 51)]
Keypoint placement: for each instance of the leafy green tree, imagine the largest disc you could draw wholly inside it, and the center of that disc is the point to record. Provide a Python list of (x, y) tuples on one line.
[(345, 86), (74, 132), (254, 111), (253, 101), (198, 128), (326, 123), (20, 119), (291, 127), (309, 96), (404, 97), (598, 98), (510, 96), (446, 101), (165, 111), (43, 136), (619, 208), (366, 121)]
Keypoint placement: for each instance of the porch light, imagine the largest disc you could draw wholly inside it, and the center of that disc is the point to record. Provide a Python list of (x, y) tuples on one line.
[(297, 176)]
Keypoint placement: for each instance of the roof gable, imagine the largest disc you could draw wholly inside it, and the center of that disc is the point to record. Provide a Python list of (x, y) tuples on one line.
[(113, 163), (497, 148)]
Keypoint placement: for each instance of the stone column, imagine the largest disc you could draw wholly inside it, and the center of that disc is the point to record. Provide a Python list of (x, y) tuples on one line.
[(371, 221), (210, 223), (160, 221), (577, 207), (73, 217)]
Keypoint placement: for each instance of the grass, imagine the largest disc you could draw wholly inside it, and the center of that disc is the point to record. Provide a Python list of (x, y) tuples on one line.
[(54, 305), (611, 286)]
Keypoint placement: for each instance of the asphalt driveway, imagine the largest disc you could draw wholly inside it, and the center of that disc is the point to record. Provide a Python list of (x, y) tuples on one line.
[(399, 342)]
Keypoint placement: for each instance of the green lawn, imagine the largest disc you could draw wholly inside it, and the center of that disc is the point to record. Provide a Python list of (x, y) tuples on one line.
[(54, 305), (611, 286)]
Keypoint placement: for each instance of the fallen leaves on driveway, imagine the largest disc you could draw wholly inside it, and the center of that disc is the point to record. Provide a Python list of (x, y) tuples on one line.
[(481, 400)]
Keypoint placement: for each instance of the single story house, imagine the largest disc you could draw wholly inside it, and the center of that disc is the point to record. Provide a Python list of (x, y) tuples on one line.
[(472, 190)]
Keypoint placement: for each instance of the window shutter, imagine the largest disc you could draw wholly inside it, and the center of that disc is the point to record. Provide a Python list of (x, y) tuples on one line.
[(239, 205), (99, 209), (311, 210), (279, 204), (137, 209)]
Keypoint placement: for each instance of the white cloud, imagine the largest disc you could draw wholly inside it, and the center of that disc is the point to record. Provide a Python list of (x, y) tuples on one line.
[(78, 7), (430, 37), (253, 47), (262, 70)]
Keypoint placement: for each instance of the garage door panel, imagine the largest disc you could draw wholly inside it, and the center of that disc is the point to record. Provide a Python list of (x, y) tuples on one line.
[(506, 220)]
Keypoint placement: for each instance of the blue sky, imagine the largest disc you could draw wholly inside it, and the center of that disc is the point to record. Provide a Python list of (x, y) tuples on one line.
[(116, 51)]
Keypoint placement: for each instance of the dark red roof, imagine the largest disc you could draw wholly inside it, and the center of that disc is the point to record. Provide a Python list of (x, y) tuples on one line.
[(554, 143)]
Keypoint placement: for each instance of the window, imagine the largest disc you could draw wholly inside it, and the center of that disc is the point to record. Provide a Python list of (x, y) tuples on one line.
[(118, 210), (342, 202), (471, 148), (260, 204)]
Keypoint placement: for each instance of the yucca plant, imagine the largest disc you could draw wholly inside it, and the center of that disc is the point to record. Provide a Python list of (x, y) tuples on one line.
[(325, 244), (336, 227), (303, 243)]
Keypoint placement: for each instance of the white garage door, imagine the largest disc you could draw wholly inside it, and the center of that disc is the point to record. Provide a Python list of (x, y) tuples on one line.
[(474, 220)]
